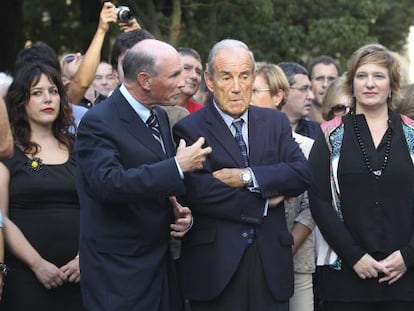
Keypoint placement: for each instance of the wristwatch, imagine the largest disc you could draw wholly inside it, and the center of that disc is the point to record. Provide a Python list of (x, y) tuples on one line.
[(246, 177), (3, 269)]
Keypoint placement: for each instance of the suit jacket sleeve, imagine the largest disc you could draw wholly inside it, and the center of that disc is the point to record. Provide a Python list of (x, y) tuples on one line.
[(291, 175), (211, 197), (118, 168)]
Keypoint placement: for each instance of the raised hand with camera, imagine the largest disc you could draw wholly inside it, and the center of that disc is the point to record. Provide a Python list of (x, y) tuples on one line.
[(126, 20), (85, 74)]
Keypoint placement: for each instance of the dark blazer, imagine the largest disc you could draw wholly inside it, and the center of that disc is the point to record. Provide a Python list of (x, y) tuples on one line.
[(124, 180), (223, 215)]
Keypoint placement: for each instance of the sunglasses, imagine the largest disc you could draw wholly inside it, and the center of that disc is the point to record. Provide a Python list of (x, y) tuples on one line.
[(340, 110), (69, 58)]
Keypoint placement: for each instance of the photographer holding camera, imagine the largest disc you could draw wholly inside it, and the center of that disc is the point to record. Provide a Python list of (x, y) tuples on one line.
[(78, 71)]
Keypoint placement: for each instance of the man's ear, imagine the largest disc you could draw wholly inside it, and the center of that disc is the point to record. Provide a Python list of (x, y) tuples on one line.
[(208, 80), (145, 80)]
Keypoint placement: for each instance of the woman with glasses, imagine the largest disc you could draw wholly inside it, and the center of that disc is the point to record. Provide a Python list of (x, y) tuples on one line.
[(336, 101), (362, 192), (270, 90), (405, 104)]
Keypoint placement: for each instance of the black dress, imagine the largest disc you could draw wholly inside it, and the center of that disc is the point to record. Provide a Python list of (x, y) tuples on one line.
[(44, 205), (378, 212)]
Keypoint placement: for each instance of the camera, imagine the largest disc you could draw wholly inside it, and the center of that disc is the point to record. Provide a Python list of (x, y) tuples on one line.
[(124, 14)]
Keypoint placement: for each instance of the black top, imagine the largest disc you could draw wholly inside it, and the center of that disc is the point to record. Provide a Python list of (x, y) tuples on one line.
[(44, 205), (378, 215)]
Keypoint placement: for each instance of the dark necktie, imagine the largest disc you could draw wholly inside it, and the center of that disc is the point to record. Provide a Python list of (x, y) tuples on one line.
[(238, 124), (153, 125)]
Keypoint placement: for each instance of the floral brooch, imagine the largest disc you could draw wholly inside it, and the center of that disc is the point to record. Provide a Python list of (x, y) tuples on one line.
[(35, 164)]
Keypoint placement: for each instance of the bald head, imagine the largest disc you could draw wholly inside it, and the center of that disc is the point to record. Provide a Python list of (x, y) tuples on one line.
[(146, 56), (153, 72)]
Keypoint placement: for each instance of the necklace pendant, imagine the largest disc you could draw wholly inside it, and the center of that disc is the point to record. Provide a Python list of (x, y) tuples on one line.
[(377, 173)]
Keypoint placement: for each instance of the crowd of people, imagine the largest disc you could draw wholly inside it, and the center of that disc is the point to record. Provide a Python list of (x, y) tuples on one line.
[(149, 183)]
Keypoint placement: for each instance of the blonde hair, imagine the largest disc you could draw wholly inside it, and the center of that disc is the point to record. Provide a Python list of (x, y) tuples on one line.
[(376, 53), (405, 104), (275, 78), (335, 90)]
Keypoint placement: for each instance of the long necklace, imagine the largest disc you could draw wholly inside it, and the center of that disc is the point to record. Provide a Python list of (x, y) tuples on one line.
[(361, 144)]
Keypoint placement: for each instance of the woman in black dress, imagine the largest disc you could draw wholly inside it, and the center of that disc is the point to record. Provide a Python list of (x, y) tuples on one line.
[(38, 196), (362, 194)]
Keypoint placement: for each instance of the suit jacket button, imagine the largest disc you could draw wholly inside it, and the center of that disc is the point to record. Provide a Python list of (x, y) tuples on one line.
[(245, 234)]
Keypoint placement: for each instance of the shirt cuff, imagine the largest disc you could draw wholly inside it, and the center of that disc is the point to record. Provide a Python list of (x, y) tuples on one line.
[(180, 171)]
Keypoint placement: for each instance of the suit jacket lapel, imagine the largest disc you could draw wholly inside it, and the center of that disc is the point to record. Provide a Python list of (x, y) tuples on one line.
[(136, 126), (257, 130), (219, 129)]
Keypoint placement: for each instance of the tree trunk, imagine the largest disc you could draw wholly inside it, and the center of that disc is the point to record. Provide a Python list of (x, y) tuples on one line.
[(175, 26), (212, 17)]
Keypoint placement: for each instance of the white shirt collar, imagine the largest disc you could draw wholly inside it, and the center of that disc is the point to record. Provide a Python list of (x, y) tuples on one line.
[(142, 111)]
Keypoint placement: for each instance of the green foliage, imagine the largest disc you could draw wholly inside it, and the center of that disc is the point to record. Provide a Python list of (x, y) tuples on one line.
[(276, 30)]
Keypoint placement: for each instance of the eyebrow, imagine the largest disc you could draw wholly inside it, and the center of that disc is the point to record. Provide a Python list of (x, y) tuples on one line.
[(175, 73)]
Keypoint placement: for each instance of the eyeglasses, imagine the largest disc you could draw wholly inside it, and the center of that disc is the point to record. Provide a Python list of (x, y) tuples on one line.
[(340, 109), (255, 91), (69, 58), (302, 89)]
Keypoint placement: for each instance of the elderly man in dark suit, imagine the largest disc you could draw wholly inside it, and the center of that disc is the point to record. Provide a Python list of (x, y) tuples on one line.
[(127, 179), (237, 256)]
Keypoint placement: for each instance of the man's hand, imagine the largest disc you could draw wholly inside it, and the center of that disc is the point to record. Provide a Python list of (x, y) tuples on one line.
[(183, 219), (191, 158), (396, 266), (229, 176), (367, 267), (273, 202)]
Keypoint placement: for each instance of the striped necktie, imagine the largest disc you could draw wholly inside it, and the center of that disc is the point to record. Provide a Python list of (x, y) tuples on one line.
[(238, 124), (153, 125)]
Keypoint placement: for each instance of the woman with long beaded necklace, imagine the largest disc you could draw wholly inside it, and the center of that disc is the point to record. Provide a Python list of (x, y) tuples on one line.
[(362, 195)]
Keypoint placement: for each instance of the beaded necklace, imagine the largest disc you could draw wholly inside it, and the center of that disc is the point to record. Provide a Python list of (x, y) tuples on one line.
[(377, 173)]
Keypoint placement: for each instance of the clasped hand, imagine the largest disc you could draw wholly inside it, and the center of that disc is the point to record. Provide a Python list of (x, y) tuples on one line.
[(392, 267), (51, 276)]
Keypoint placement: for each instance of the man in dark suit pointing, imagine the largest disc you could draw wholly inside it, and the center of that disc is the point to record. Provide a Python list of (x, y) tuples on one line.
[(237, 256), (128, 176)]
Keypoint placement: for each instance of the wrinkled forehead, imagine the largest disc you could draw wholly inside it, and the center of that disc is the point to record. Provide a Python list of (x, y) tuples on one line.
[(233, 59), (104, 69)]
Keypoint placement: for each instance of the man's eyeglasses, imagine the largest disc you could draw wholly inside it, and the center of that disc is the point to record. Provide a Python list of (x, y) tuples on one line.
[(69, 58), (340, 110), (302, 89), (256, 91)]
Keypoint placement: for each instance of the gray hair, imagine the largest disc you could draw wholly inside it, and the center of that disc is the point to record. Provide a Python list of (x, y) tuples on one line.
[(226, 44), (137, 61)]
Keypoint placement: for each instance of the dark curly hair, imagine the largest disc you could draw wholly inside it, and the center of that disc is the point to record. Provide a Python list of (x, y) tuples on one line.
[(19, 95)]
